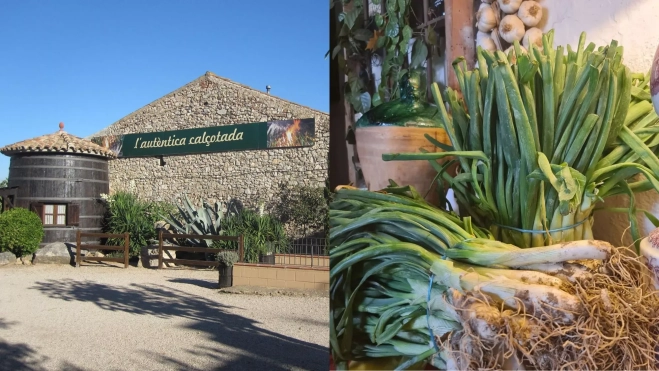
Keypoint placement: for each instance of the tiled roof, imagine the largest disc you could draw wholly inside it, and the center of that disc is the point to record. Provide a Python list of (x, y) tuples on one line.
[(59, 142)]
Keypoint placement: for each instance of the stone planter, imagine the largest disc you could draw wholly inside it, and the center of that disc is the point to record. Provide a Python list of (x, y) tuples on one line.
[(373, 142), (226, 276), (267, 258), (149, 257)]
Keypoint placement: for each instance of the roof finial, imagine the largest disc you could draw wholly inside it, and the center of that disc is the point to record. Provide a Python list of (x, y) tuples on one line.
[(61, 126)]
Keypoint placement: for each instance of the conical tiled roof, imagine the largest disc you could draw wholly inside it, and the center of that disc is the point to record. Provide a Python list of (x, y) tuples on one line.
[(59, 142)]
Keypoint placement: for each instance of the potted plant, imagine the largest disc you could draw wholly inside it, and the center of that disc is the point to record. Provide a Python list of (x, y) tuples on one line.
[(267, 253), (226, 259), (399, 126), (391, 101)]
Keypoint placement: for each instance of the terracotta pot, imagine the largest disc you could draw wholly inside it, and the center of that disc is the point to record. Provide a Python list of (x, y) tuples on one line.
[(373, 142)]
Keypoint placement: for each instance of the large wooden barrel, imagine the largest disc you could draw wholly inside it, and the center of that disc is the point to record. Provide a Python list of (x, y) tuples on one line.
[(74, 180)]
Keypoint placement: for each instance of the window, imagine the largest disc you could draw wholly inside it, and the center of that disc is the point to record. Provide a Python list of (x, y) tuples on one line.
[(57, 214), (54, 214)]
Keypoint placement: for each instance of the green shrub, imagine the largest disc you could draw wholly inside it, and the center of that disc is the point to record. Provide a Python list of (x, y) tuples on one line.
[(160, 208), (21, 231), (227, 258), (127, 213), (262, 233)]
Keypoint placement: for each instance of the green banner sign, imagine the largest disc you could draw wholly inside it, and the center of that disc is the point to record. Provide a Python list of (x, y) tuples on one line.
[(259, 135)]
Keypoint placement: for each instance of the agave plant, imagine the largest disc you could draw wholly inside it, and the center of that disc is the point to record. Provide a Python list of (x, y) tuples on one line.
[(204, 220)]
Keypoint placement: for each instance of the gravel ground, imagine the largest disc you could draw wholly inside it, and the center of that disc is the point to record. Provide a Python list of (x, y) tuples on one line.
[(107, 318)]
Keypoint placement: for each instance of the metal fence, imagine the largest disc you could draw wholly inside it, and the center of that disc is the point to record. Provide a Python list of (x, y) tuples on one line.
[(307, 252)]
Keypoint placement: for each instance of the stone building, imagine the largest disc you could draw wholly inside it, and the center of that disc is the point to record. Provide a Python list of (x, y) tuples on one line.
[(251, 176)]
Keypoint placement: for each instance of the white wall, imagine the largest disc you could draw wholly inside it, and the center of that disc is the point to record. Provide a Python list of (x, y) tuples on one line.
[(635, 24)]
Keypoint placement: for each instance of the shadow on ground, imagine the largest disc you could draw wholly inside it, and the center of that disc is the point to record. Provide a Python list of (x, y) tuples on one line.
[(196, 282), (17, 356), (241, 345)]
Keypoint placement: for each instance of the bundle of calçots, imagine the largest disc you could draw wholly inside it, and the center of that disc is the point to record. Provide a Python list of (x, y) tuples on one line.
[(412, 281), (568, 130)]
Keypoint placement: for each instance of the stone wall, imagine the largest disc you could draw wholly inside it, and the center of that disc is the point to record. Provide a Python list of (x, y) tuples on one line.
[(250, 176)]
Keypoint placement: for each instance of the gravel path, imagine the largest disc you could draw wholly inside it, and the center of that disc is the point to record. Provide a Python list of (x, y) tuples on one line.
[(107, 318)]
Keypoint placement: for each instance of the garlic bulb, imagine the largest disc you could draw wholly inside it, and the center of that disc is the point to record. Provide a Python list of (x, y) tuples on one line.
[(481, 35), (533, 36), (511, 28), (509, 6), (487, 44), (511, 50), (530, 12), (485, 18)]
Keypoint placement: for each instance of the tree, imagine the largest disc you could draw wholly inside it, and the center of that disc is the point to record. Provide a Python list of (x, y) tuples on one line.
[(3, 183), (302, 206)]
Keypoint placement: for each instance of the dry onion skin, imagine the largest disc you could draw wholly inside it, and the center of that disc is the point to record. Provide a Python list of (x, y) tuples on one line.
[(617, 327)]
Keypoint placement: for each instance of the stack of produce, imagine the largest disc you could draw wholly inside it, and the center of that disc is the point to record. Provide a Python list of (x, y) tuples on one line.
[(502, 22), (568, 130), (418, 283)]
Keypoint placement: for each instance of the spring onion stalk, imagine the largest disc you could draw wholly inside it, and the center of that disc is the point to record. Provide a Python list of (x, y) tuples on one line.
[(394, 293), (547, 137)]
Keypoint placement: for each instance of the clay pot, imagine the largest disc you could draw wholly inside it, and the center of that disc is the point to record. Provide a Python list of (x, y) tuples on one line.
[(373, 142)]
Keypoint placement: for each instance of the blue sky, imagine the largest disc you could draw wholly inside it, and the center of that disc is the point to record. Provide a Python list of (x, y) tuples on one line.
[(90, 63)]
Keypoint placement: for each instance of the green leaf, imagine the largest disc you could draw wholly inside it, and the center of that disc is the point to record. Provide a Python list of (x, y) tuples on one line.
[(419, 53), (431, 36), (407, 32), (376, 101), (392, 29), (336, 51), (382, 41), (402, 5), (350, 18), (653, 219), (362, 34), (362, 102), (402, 46), (392, 6), (392, 46), (379, 20)]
